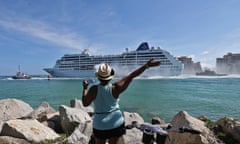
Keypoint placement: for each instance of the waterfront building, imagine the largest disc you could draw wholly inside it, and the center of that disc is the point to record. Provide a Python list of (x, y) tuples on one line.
[(229, 64), (190, 67)]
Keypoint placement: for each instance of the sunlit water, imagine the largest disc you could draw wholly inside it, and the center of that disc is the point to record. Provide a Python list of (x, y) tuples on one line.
[(214, 97)]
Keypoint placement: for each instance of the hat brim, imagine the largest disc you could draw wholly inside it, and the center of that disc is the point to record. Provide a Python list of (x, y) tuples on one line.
[(104, 78)]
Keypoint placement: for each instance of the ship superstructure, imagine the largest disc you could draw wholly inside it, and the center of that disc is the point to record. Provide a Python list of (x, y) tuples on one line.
[(84, 65)]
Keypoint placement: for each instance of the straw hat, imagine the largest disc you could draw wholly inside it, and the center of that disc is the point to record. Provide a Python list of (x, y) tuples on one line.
[(105, 72)]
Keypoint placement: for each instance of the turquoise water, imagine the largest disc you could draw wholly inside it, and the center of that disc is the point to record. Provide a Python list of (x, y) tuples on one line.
[(214, 97)]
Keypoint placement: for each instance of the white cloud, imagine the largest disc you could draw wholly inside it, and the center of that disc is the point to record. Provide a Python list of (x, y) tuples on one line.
[(205, 53), (192, 56), (40, 30)]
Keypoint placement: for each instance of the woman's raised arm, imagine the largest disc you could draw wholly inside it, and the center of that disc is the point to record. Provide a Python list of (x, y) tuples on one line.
[(122, 84)]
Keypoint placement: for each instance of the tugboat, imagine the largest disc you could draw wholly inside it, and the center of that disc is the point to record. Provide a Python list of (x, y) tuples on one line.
[(209, 72), (21, 75)]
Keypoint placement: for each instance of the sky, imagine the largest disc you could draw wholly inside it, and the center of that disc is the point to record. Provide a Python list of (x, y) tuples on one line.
[(35, 33)]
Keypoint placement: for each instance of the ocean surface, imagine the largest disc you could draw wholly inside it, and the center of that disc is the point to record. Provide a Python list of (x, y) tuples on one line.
[(214, 97)]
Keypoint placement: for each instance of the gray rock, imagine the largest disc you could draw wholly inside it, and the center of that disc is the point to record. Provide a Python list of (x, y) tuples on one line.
[(41, 112), (12, 140), (133, 136), (1, 125), (157, 120), (130, 117), (54, 122), (75, 103), (71, 117), (13, 109), (230, 126), (81, 134), (78, 138), (30, 130), (183, 119)]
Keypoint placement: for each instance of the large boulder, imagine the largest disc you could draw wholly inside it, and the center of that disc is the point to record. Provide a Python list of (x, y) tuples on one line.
[(41, 112), (53, 121), (184, 120), (12, 140), (133, 136), (230, 126), (31, 130), (75, 103), (81, 134), (13, 109), (72, 117), (1, 125)]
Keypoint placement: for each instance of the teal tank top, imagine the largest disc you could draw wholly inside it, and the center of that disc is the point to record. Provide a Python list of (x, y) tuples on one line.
[(107, 114)]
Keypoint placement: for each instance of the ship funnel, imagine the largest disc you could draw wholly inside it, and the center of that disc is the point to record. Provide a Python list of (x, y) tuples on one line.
[(143, 46)]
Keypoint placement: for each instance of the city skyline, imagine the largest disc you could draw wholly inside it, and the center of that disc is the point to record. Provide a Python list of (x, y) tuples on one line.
[(36, 34)]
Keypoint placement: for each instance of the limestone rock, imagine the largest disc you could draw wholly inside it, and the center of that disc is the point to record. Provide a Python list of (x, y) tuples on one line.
[(12, 140), (31, 130), (54, 122), (41, 112), (129, 117), (183, 119), (75, 103), (13, 109), (1, 125), (230, 126), (133, 136), (72, 117), (78, 138), (81, 134), (157, 120)]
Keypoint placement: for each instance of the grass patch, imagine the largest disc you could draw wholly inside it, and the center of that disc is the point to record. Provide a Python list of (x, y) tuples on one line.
[(60, 140)]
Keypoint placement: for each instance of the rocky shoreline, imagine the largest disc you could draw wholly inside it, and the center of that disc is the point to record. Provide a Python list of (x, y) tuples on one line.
[(21, 124)]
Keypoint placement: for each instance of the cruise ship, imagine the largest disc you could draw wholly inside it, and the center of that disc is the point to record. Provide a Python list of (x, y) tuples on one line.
[(84, 65)]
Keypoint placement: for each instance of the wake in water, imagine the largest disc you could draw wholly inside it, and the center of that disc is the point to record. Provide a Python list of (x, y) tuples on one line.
[(40, 78), (188, 76), (140, 77)]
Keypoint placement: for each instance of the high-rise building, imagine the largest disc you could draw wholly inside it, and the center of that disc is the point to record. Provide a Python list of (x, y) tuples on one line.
[(229, 64), (190, 67)]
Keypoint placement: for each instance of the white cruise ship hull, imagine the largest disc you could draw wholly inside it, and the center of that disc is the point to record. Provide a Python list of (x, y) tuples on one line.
[(84, 65), (120, 71), (69, 73)]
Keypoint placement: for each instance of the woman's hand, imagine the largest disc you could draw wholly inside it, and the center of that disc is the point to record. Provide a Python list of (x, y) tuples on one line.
[(85, 84), (152, 63)]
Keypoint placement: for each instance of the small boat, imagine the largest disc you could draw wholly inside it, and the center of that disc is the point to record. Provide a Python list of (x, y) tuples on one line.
[(21, 75), (208, 72)]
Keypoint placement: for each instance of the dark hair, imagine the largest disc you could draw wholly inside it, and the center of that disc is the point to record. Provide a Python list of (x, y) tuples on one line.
[(112, 72), (104, 81)]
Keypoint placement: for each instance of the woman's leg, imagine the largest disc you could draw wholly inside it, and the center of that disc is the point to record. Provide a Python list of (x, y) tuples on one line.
[(116, 140), (100, 141)]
